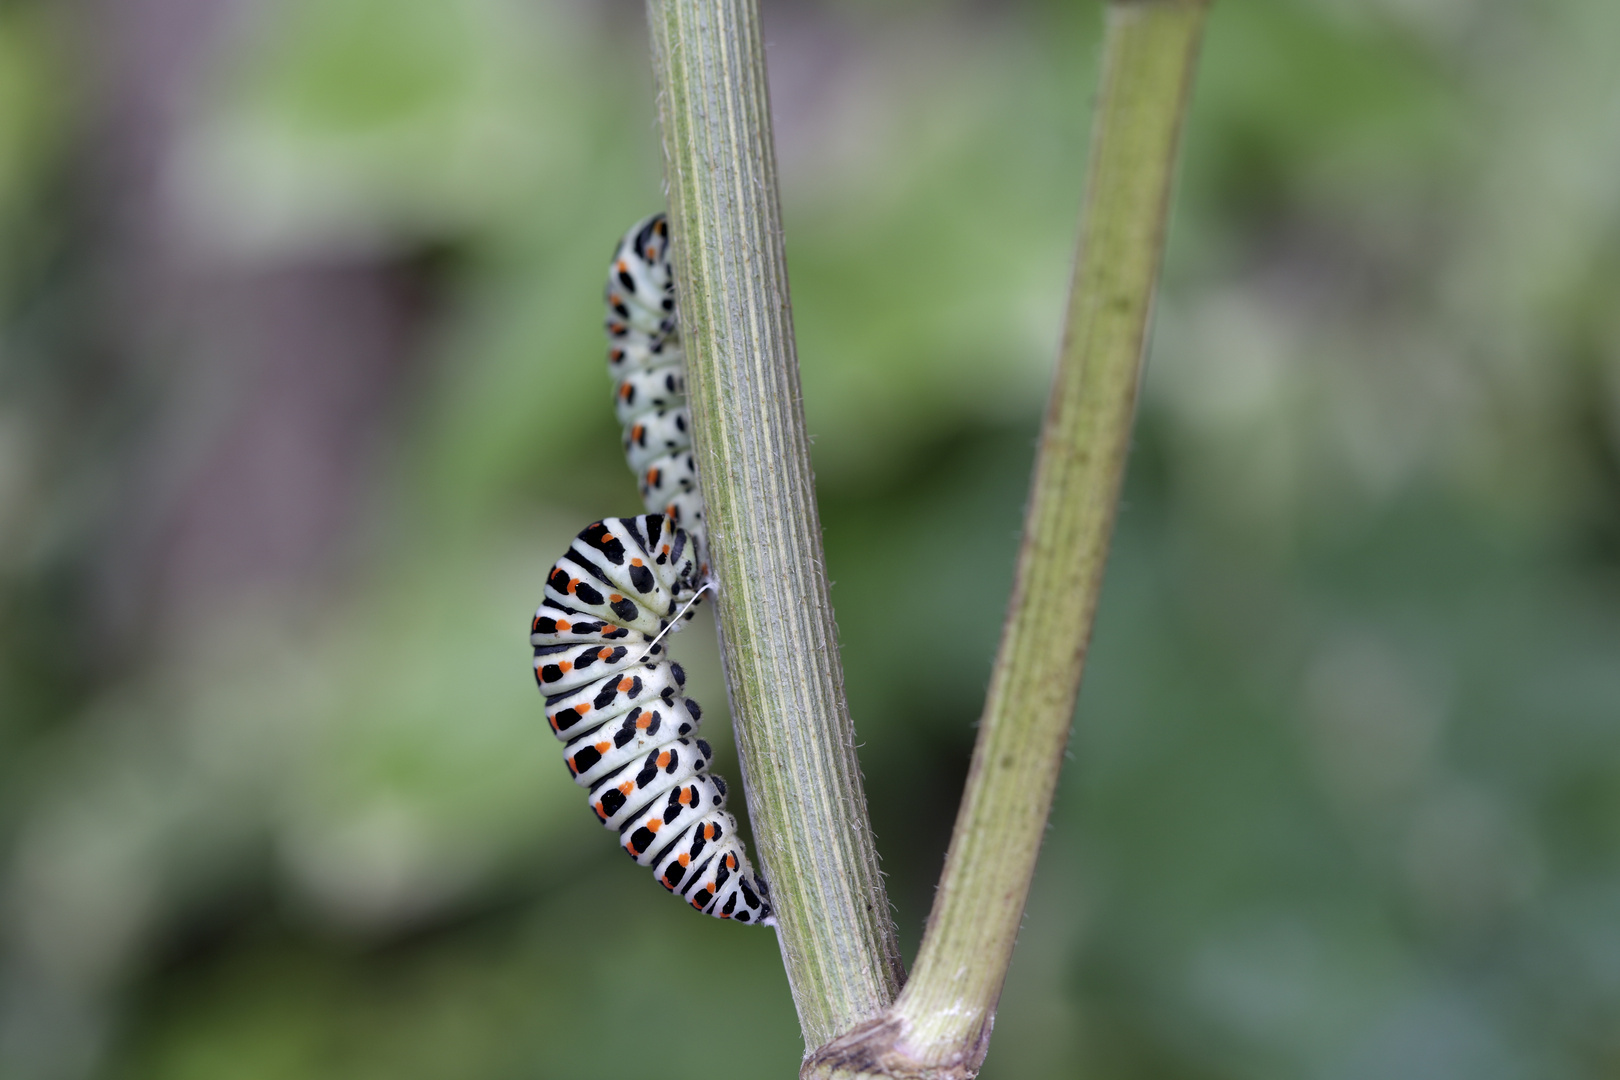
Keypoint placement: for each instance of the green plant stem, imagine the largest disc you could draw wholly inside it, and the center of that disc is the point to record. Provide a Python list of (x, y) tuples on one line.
[(778, 640), (940, 1026)]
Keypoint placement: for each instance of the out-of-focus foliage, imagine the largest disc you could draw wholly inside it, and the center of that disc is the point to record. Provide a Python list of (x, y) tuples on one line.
[(277, 799)]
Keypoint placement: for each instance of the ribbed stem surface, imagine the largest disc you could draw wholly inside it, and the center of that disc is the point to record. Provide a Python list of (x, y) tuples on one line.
[(778, 639), (940, 1026)]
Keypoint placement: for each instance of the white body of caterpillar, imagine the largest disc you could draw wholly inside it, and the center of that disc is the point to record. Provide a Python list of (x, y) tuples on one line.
[(611, 696)]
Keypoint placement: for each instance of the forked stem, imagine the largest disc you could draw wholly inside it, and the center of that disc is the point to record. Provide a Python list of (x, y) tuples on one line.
[(940, 1026)]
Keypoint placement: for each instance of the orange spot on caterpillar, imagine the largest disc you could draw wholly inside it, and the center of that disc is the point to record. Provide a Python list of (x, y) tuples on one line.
[(653, 475), (582, 708), (625, 684), (602, 747), (635, 562), (627, 787), (685, 859), (564, 666), (686, 797), (644, 721), (573, 583), (564, 625), (654, 825), (663, 759), (614, 598)]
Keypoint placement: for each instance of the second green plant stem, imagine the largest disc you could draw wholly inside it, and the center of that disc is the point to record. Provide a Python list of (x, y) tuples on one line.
[(939, 1028)]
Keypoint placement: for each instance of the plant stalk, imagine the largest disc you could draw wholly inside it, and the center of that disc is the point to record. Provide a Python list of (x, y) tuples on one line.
[(940, 1026), (778, 640)]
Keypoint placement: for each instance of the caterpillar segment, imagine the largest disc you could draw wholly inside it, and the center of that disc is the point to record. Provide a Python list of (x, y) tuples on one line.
[(617, 703), (647, 362)]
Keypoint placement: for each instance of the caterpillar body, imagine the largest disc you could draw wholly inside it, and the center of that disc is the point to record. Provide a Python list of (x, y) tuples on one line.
[(612, 695)]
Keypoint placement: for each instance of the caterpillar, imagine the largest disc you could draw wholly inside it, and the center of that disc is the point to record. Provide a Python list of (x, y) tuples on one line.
[(612, 696)]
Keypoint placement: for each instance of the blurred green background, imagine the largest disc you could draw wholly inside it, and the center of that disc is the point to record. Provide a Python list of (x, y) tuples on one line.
[(301, 392)]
